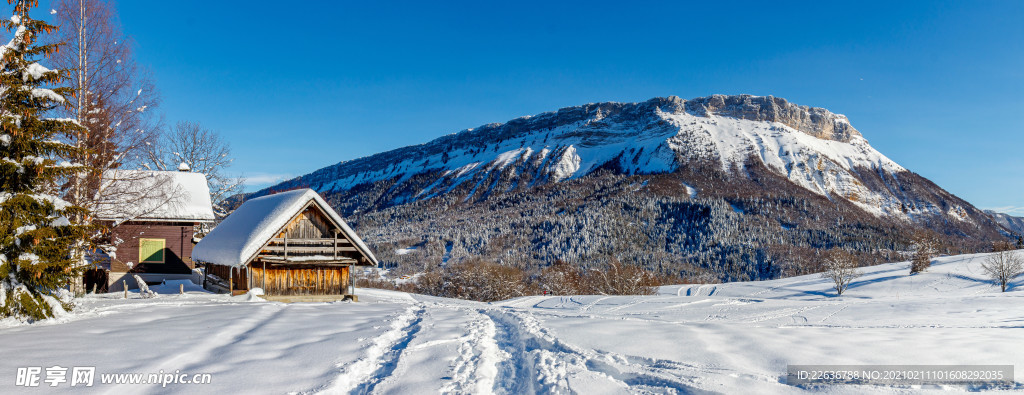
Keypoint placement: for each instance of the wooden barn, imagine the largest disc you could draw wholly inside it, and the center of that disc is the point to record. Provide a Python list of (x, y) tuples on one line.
[(151, 218), (288, 244)]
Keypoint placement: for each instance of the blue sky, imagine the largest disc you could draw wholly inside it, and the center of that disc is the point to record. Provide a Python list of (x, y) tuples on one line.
[(297, 86)]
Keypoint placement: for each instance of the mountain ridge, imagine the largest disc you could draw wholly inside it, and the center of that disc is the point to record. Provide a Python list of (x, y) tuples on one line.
[(1012, 223), (814, 121), (786, 163)]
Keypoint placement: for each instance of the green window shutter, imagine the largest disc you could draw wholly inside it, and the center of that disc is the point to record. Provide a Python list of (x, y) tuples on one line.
[(151, 250)]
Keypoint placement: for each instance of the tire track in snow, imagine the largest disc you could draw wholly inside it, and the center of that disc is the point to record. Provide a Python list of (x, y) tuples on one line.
[(381, 357), (631, 303), (586, 308), (698, 291), (829, 316), (780, 313)]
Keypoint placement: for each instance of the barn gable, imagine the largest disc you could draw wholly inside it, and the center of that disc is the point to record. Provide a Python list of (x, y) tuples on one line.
[(262, 225), (291, 243), (311, 223)]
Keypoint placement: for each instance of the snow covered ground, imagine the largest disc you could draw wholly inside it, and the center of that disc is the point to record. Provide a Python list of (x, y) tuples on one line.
[(726, 338)]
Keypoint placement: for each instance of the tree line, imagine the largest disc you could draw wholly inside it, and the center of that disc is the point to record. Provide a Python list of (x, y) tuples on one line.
[(481, 280)]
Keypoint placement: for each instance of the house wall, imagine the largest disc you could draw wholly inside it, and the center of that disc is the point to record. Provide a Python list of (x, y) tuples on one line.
[(312, 280), (177, 238), (293, 280)]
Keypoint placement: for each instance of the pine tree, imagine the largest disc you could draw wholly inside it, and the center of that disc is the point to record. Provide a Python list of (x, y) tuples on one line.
[(38, 235), (925, 247)]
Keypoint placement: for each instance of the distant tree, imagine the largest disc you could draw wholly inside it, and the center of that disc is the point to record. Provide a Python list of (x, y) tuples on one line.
[(1020, 242), (1003, 266), (841, 268), (926, 247), (39, 238), (202, 151), (1003, 245)]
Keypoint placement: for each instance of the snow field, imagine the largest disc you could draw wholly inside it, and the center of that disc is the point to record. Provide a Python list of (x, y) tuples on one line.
[(714, 338)]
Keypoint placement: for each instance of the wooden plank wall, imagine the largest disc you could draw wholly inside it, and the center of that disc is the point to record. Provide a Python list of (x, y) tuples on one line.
[(308, 225), (301, 281)]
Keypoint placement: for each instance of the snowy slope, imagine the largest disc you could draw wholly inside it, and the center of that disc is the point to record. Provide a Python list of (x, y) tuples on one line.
[(723, 338)]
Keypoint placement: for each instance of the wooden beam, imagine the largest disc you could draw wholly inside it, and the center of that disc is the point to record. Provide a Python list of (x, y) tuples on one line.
[(291, 249), (293, 241), (347, 261), (308, 265)]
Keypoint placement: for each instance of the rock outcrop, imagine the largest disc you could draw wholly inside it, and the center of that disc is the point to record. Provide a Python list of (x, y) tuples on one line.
[(817, 122)]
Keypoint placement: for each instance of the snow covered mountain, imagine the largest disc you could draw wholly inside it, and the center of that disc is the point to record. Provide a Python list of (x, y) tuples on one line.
[(743, 151), (1011, 223), (812, 147)]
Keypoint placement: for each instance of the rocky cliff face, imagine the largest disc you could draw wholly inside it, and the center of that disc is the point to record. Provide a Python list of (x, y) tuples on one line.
[(817, 122), (660, 168)]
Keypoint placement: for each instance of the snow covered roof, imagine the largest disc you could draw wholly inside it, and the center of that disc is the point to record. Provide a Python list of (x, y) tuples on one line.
[(237, 240), (144, 195)]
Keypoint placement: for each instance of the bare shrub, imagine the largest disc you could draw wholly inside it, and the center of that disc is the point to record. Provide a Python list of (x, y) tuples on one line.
[(487, 281), (562, 278), (475, 280), (618, 279), (613, 278), (1003, 266), (841, 268), (380, 283)]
